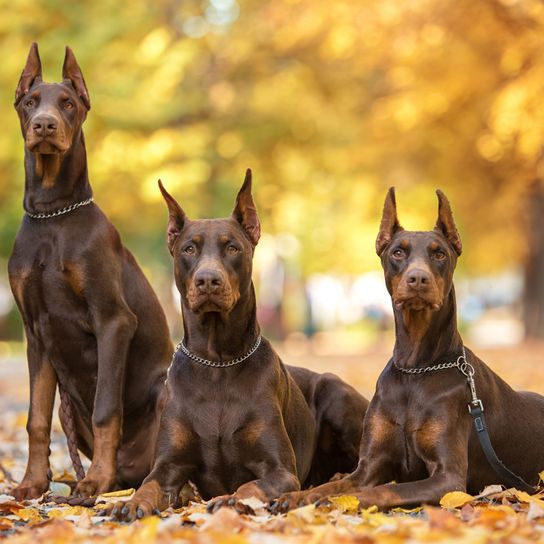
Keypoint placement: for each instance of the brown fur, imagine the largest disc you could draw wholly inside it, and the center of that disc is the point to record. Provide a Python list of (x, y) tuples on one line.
[(427, 444), (92, 322)]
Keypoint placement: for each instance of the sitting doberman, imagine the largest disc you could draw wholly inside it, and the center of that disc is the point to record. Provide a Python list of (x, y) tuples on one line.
[(235, 422), (418, 432), (93, 324)]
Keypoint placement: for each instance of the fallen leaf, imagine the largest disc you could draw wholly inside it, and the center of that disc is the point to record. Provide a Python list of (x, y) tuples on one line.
[(120, 493), (346, 503), (455, 499), (224, 520), (28, 514)]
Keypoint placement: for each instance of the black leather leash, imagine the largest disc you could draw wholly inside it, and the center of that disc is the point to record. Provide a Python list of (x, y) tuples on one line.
[(476, 411)]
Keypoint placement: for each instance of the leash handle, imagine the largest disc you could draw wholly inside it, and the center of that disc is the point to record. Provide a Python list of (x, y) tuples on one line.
[(476, 411)]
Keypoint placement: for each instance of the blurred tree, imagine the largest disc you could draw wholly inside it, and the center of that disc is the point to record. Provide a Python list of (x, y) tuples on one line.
[(329, 102)]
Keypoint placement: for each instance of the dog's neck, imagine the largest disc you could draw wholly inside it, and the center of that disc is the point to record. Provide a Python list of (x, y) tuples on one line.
[(426, 337), (55, 181), (221, 338)]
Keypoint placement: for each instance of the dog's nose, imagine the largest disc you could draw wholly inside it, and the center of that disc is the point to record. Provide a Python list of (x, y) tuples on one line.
[(44, 125), (208, 280), (418, 279)]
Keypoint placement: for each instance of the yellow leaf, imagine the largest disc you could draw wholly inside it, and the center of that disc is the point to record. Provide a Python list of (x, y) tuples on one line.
[(373, 517), (62, 513), (455, 499), (28, 514), (522, 496), (541, 476), (346, 503), (304, 513), (120, 493)]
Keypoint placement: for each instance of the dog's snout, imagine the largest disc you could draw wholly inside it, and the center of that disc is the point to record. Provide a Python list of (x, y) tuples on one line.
[(44, 125), (208, 280), (418, 279)]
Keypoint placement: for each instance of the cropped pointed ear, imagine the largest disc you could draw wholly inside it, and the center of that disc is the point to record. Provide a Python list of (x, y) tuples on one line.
[(176, 218), (31, 72), (389, 224), (72, 72), (245, 211), (445, 223)]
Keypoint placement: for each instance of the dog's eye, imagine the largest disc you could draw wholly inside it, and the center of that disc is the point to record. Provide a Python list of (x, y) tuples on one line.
[(189, 250), (30, 103), (232, 250), (398, 253), (439, 255), (68, 105)]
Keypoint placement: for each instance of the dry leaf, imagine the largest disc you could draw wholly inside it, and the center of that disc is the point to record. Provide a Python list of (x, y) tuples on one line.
[(345, 503), (455, 499), (120, 493)]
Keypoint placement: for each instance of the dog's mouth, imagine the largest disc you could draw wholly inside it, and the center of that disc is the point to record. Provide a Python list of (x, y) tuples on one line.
[(417, 303), (45, 146), (204, 303)]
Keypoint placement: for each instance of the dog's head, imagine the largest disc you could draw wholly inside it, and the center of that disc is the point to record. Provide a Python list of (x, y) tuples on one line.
[(51, 114), (418, 266), (213, 257)]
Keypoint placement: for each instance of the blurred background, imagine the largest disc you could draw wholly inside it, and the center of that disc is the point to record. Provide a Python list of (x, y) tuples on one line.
[(329, 103)]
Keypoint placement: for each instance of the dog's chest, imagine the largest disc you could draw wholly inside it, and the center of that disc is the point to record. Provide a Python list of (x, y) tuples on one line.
[(47, 284)]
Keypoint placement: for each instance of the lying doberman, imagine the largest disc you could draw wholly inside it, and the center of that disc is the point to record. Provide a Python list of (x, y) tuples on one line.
[(93, 324), (235, 421), (417, 430)]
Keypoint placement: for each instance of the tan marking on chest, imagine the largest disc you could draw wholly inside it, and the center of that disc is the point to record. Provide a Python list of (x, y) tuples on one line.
[(253, 432), (430, 434), (381, 429), (74, 275), (180, 436)]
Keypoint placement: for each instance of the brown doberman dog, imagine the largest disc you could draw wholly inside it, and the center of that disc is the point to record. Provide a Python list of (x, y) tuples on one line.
[(237, 422), (417, 430), (92, 321)]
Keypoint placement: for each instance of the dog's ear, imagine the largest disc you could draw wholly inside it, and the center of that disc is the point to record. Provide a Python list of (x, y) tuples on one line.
[(245, 211), (445, 223), (31, 72), (72, 72), (176, 218), (389, 224)]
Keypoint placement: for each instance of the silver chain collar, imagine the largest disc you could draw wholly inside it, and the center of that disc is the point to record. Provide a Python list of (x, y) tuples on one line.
[(206, 362), (62, 211), (460, 363)]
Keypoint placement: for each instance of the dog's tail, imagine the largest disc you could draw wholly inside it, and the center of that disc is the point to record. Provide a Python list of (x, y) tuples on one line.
[(66, 415)]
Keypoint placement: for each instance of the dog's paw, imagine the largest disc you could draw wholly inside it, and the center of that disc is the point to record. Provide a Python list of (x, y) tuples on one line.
[(290, 501), (131, 510), (229, 501), (30, 489), (91, 486)]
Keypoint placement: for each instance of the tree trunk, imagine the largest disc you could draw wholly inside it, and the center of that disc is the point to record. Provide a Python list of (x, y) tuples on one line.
[(534, 268)]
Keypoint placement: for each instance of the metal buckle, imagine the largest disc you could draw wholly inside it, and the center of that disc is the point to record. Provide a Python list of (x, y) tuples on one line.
[(476, 403)]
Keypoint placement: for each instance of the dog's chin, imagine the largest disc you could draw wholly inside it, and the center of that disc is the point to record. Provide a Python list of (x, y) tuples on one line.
[(417, 304), (45, 147), (207, 305)]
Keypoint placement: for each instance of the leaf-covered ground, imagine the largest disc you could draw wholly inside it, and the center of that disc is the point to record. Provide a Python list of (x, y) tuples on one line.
[(496, 515)]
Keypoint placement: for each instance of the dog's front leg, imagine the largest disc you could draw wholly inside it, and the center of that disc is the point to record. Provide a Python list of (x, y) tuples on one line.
[(114, 334), (271, 459), (43, 383)]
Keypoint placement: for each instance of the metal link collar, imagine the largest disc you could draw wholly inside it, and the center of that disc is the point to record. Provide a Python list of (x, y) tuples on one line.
[(206, 362), (62, 211), (460, 363)]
